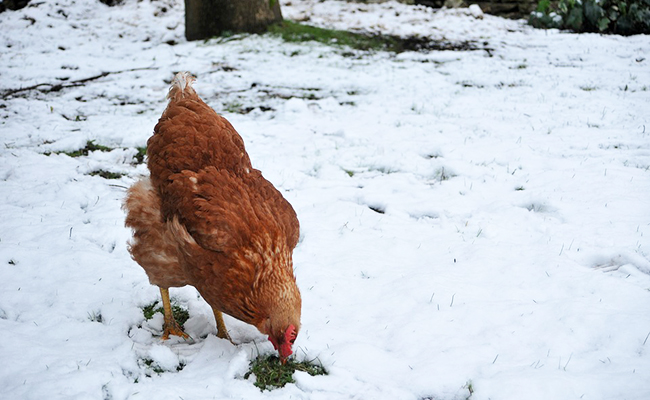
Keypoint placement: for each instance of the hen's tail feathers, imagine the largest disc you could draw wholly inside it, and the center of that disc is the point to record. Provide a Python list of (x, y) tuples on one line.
[(181, 86)]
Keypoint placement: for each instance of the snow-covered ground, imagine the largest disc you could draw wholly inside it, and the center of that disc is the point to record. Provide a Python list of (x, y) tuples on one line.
[(474, 224)]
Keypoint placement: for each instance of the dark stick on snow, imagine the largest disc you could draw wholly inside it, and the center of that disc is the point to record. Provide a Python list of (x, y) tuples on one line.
[(55, 87)]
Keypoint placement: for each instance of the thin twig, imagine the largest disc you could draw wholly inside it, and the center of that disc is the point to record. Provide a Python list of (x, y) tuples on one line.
[(55, 87)]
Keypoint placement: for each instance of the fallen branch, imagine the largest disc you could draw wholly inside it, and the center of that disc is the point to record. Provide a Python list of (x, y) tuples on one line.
[(55, 87)]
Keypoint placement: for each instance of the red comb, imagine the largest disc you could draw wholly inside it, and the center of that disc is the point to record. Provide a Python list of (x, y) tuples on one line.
[(284, 349), (291, 334)]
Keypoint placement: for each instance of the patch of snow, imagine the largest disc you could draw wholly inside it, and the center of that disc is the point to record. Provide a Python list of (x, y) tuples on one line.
[(476, 11), (163, 357)]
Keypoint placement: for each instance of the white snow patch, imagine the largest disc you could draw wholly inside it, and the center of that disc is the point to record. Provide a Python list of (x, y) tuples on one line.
[(163, 357)]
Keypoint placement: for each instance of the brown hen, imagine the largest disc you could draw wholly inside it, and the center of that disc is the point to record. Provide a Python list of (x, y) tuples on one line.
[(207, 218)]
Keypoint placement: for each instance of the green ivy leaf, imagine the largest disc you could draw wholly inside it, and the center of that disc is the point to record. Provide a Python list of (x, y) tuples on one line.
[(563, 6), (544, 6), (593, 12), (603, 24), (575, 20)]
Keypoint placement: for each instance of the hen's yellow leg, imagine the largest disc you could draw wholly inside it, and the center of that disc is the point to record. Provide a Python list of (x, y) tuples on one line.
[(222, 332), (170, 326)]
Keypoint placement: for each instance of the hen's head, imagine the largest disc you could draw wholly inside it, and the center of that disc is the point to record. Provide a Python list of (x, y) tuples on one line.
[(283, 324), (283, 341)]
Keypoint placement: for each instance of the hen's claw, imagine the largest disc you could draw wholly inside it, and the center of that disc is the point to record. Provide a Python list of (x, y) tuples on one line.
[(173, 329)]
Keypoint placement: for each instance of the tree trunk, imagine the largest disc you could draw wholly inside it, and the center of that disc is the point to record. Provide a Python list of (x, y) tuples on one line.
[(13, 5), (208, 18)]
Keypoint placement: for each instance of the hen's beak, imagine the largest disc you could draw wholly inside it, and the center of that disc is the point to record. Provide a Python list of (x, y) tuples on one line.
[(284, 352)]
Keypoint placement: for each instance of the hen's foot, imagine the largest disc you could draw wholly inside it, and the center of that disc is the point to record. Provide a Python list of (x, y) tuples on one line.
[(173, 329), (170, 326)]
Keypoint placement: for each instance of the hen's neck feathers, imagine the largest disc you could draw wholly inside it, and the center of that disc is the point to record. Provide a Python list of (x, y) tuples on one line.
[(181, 87), (278, 298)]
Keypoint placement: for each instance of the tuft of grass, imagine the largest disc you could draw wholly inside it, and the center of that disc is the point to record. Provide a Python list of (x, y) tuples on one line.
[(139, 157), (106, 174), (271, 374), (233, 107), (91, 146), (443, 175), (149, 310), (84, 151), (95, 317), (470, 388), (153, 366), (469, 84), (180, 314)]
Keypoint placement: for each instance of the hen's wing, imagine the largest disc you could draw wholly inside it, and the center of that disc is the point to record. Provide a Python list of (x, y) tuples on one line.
[(224, 212)]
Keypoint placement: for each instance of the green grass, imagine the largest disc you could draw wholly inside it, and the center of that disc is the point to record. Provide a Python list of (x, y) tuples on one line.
[(296, 32), (139, 157), (233, 107), (150, 310), (84, 151), (271, 374), (92, 146), (150, 364), (180, 314), (107, 174)]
